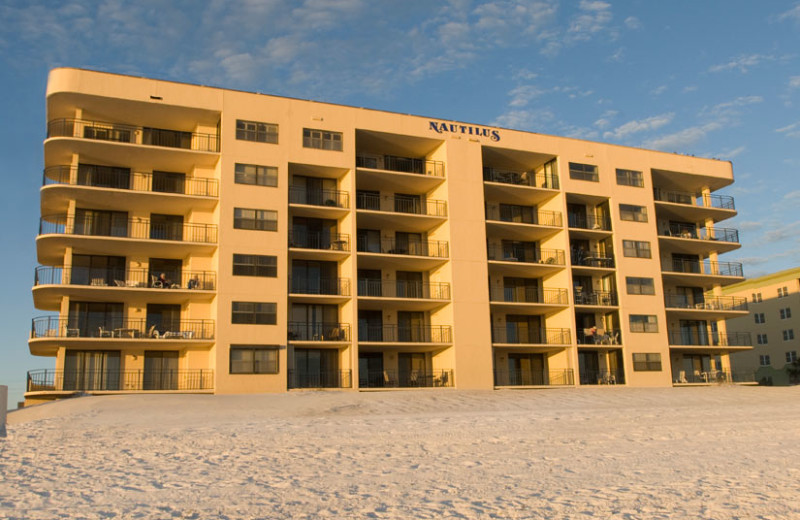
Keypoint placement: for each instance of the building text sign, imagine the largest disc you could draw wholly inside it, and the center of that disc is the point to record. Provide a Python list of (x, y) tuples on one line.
[(454, 128)]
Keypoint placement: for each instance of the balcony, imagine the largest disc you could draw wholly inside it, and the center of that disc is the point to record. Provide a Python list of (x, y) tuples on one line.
[(116, 178), (709, 303), (525, 255), (588, 222), (121, 278), (595, 336), (595, 260), (519, 377), (692, 272), (336, 242), (692, 207), (400, 164), (597, 298), (520, 178), (524, 335), (698, 240), (392, 246), (44, 381), (318, 331), (439, 378), (405, 334), (320, 379), (325, 198), (399, 204), (692, 199), (404, 289), (115, 328), (602, 377), (522, 294), (700, 338), (714, 377), (121, 133), (320, 286), (136, 228)]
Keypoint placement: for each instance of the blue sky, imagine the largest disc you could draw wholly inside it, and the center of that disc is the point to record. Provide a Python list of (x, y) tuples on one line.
[(712, 78)]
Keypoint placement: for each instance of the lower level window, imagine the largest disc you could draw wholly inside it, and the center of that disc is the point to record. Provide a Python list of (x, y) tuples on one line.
[(254, 313), (254, 359), (763, 360), (791, 356), (647, 362)]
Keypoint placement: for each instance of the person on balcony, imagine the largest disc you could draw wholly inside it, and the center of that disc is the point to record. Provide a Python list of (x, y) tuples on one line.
[(162, 279)]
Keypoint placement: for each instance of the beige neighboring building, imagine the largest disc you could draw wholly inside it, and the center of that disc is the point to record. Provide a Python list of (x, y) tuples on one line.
[(771, 323), (197, 239)]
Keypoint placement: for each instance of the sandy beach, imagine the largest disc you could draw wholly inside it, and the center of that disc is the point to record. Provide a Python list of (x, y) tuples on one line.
[(610, 453)]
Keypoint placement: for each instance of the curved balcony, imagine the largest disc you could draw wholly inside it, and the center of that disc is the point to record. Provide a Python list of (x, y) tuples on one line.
[(520, 377), (698, 240), (701, 338), (299, 331), (116, 178), (46, 381), (122, 133), (513, 334), (404, 334)]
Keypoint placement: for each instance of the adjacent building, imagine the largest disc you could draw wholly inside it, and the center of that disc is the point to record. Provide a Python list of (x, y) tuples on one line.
[(197, 239)]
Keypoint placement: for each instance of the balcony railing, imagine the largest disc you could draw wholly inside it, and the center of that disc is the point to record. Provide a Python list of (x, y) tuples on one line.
[(603, 298), (541, 217), (711, 303), (405, 334), (579, 221), (689, 338), (399, 204), (320, 379), (117, 327), (605, 260), (405, 378), (404, 289), (706, 267), (130, 278), (138, 228), (714, 376), (595, 336), (527, 255), (602, 377), (522, 294), (121, 133), (701, 233), (521, 178), (120, 380), (329, 198), (392, 246), (134, 181), (693, 199), (318, 331), (328, 241), (400, 164), (321, 286), (519, 377), (523, 334)]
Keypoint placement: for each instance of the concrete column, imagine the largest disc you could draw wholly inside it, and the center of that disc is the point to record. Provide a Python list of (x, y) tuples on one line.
[(3, 409)]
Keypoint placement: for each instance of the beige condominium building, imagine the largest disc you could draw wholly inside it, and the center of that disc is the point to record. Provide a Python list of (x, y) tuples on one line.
[(770, 323), (197, 239)]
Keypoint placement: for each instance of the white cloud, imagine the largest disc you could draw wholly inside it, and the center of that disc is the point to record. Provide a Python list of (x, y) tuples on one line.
[(682, 139), (659, 90), (792, 130), (794, 82), (593, 17), (791, 14), (743, 63), (643, 125), (522, 95), (632, 22), (689, 88), (533, 120)]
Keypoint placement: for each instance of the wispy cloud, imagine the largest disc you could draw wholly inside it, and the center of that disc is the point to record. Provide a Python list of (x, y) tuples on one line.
[(638, 126), (592, 18), (794, 82), (682, 139), (792, 130), (632, 22), (743, 63), (791, 14)]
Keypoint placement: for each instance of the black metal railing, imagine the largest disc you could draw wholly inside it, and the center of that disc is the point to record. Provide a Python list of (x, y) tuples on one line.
[(495, 212), (709, 303), (604, 298), (404, 289), (393, 246), (602, 377), (405, 334), (400, 164), (311, 240), (595, 336), (520, 377), (127, 180), (523, 294), (527, 255), (117, 327), (694, 337), (137, 228), (406, 378), (581, 221), (130, 278), (122, 133), (320, 379), (713, 376), (700, 233), (119, 380), (321, 286), (694, 199), (604, 260), (329, 198), (521, 178), (399, 204), (677, 265), (318, 331), (520, 333)]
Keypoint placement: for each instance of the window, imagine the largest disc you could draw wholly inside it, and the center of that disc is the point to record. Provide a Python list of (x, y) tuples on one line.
[(583, 172), (254, 359), (782, 292), (630, 178), (791, 356), (640, 285), (788, 334), (756, 297), (763, 360), (759, 317), (636, 249), (633, 213), (256, 175), (258, 219), (786, 313), (254, 313), (255, 265), (322, 139), (255, 131), (643, 323), (647, 362), (761, 339)]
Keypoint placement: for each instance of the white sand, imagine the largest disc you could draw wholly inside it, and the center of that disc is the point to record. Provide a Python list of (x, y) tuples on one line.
[(610, 453)]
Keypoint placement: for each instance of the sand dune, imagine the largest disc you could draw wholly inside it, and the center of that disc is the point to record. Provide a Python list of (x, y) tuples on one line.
[(610, 453)]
